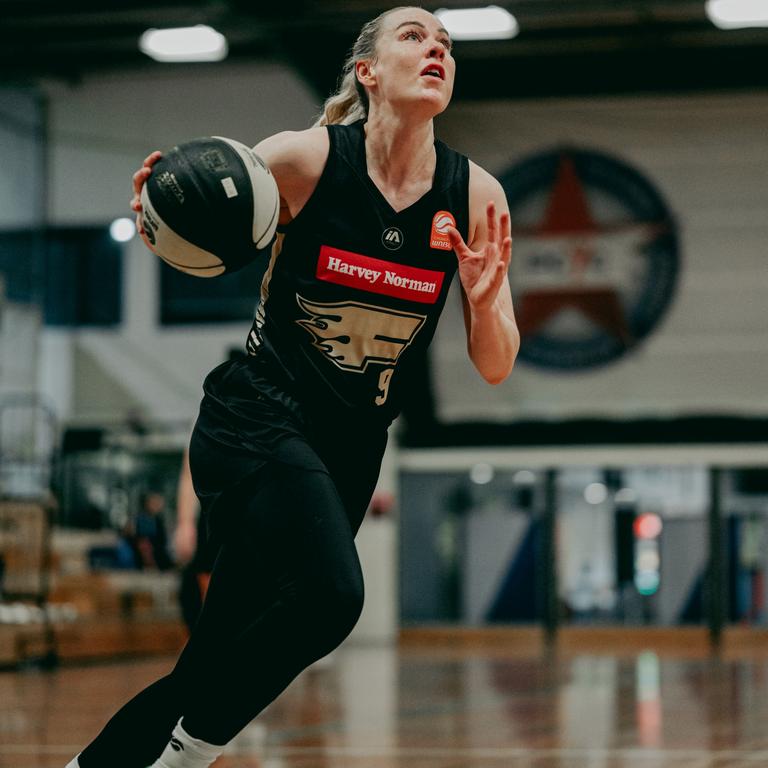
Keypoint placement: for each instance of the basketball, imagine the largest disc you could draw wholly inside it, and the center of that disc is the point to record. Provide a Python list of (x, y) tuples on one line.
[(210, 206)]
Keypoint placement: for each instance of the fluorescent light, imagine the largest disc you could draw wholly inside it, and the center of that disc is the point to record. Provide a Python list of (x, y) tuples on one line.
[(735, 14), (490, 23), (198, 43)]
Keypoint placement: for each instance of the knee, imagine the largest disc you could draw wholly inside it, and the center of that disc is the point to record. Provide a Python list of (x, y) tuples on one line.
[(338, 609), (349, 605)]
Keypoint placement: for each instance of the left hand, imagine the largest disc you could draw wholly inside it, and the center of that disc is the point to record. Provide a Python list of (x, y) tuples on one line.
[(482, 272)]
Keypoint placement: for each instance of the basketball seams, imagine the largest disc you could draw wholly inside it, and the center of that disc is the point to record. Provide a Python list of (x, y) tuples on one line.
[(222, 237), (258, 171), (272, 226), (206, 223), (197, 271)]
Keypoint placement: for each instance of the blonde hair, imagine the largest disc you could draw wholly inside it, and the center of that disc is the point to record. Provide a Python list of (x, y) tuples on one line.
[(350, 101)]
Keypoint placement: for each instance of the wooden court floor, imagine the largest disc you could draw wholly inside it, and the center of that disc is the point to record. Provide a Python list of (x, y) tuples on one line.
[(390, 707)]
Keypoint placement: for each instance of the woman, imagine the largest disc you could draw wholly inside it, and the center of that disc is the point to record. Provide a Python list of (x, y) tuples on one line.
[(376, 216)]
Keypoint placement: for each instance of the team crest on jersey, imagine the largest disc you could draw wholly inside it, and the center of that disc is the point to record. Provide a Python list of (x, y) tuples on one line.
[(353, 335), (392, 238), (438, 238)]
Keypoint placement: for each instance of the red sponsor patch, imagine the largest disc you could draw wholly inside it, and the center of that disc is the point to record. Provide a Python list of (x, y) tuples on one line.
[(377, 276)]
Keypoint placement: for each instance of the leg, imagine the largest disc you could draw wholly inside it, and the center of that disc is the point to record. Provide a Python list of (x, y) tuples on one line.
[(190, 596), (286, 589), (296, 544)]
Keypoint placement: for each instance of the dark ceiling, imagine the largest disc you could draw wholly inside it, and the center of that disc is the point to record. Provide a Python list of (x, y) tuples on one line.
[(565, 46)]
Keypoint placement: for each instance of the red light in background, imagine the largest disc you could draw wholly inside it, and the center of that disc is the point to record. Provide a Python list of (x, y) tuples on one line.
[(647, 526)]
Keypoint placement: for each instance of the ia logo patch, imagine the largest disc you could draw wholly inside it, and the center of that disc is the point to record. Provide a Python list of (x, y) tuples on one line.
[(392, 238)]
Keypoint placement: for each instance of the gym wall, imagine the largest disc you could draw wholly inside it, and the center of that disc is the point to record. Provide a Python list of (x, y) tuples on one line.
[(100, 131), (706, 155)]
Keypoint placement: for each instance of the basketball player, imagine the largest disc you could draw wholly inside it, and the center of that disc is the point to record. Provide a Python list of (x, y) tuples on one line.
[(376, 217)]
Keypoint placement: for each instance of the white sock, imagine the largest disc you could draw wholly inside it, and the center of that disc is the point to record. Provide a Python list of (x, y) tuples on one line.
[(72, 764), (185, 751)]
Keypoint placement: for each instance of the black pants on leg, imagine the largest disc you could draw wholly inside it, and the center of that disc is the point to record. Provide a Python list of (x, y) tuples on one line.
[(286, 589)]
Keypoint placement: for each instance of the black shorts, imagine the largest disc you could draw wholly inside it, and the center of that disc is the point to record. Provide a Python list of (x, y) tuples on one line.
[(246, 424)]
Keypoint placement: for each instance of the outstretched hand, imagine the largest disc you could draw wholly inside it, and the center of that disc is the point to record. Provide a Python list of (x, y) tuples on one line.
[(482, 272), (139, 180)]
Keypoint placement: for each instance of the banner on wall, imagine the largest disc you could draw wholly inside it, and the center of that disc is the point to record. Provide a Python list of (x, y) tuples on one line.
[(595, 257)]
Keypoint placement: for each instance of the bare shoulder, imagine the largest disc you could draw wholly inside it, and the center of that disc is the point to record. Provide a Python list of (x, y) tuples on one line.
[(295, 151), (483, 187), (296, 159)]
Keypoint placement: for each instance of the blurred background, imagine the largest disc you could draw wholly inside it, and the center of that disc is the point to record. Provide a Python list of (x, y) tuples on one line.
[(616, 483)]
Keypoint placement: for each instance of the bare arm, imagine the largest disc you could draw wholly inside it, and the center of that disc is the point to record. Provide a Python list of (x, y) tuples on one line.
[(493, 339), (296, 159)]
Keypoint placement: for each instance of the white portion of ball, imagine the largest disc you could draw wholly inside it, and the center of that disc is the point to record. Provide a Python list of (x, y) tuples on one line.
[(194, 260), (266, 198), (174, 249), (197, 271)]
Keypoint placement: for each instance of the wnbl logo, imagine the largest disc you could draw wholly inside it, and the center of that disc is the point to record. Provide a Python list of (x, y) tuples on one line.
[(392, 238)]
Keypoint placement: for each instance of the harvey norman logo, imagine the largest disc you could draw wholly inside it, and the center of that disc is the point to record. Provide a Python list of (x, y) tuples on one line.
[(377, 276)]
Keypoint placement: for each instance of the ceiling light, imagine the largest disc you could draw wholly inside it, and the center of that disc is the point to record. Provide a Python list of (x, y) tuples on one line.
[(735, 14), (198, 43), (490, 23)]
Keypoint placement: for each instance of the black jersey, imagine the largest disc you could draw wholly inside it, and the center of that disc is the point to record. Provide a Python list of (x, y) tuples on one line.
[(354, 288)]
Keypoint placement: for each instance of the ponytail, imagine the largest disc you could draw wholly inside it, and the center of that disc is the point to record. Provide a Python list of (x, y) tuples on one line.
[(347, 105), (350, 101)]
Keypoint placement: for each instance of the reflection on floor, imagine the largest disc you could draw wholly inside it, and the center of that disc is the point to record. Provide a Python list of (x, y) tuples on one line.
[(384, 707)]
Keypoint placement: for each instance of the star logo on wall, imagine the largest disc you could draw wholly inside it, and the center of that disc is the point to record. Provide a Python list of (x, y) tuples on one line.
[(585, 253)]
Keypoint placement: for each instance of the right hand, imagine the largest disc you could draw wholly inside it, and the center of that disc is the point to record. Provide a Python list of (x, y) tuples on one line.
[(185, 542), (139, 179)]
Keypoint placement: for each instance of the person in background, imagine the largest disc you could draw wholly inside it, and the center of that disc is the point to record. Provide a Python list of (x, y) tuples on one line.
[(149, 535), (193, 550)]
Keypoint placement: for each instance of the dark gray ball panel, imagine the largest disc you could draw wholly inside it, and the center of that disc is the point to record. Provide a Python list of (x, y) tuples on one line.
[(189, 188)]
